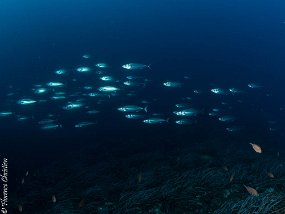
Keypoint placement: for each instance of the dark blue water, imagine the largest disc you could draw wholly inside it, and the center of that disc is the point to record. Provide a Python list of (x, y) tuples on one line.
[(217, 43), (215, 38)]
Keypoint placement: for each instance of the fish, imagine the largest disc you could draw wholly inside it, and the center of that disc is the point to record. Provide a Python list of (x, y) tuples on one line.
[(26, 101), (55, 84), (187, 112), (93, 112), (101, 65), (51, 126), (155, 120), (93, 94), (60, 97), (20, 208), (88, 87), (53, 198), (132, 108), (86, 56), (233, 129), (5, 113), (172, 84), (83, 69), (135, 66), (107, 78), (216, 109), (251, 190), (40, 90), (133, 83), (214, 114), (108, 89), (134, 116), (181, 105), (10, 94), (219, 91), (139, 177), (235, 91), (254, 85), (231, 178), (60, 72), (184, 122), (134, 77), (72, 106), (198, 91), (84, 124), (227, 118), (270, 175), (256, 148), (59, 93), (100, 72), (46, 121)]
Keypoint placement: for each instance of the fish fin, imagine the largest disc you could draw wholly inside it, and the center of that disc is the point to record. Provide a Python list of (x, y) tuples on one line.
[(145, 109)]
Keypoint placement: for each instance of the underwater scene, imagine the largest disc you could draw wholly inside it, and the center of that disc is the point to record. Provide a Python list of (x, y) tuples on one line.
[(142, 107)]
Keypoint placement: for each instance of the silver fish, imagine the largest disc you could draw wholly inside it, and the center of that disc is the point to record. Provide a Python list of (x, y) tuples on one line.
[(108, 89), (184, 122), (55, 84), (6, 113), (135, 116), (83, 69), (187, 112), (219, 91), (172, 84), (84, 124), (132, 108), (26, 102), (72, 106), (101, 65), (155, 120), (227, 118), (135, 66), (60, 72), (51, 126)]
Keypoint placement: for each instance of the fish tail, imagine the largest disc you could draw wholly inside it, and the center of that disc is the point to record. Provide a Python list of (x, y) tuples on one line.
[(149, 66), (145, 109)]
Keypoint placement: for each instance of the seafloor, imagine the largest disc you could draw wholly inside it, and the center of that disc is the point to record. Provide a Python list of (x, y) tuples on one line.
[(146, 171)]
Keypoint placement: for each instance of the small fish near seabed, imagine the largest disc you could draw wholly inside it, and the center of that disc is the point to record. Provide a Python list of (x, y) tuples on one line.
[(256, 148), (251, 190)]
